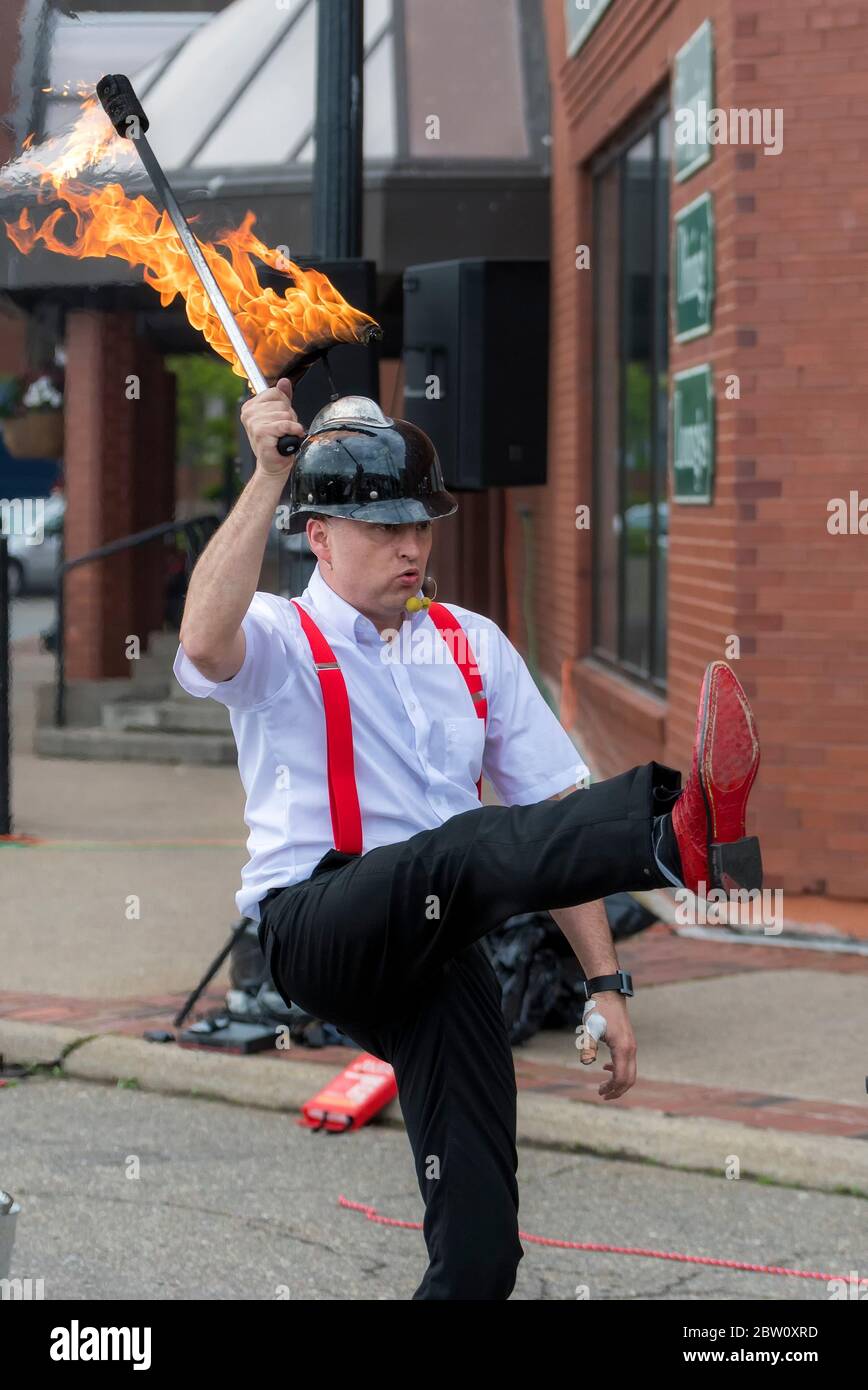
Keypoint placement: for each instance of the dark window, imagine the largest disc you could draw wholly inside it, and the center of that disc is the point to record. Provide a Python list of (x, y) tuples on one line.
[(630, 259)]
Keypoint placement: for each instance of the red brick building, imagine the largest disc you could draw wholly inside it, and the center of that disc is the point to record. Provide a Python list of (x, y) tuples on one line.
[(790, 321)]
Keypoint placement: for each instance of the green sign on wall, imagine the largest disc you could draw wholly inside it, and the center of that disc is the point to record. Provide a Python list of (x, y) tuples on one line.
[(693, 435), (692, 99), (693, 279), (580, 17)]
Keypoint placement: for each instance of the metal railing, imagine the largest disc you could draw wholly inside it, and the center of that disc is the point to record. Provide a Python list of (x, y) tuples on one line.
[(196, 533)]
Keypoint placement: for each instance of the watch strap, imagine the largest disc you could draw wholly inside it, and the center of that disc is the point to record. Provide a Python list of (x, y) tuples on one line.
[(622, 983)]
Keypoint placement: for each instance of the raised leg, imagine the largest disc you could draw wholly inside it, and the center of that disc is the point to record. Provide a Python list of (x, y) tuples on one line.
[(364, 939)]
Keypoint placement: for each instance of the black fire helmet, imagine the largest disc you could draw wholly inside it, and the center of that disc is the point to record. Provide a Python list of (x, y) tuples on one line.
[(358, 463)]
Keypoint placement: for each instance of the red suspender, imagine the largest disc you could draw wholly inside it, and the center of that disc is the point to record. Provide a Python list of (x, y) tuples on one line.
[(343, 792), (464, 659), (343, 795)]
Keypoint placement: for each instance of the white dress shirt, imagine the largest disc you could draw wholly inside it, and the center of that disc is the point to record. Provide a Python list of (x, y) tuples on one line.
[(418, 743)]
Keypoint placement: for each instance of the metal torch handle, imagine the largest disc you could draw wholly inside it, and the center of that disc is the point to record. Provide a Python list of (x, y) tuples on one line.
[(288, 443)]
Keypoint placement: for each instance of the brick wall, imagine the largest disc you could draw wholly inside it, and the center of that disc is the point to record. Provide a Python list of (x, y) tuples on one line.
[(119, 477), (99, 451), (154, 484), (800, 262), (791, 320)]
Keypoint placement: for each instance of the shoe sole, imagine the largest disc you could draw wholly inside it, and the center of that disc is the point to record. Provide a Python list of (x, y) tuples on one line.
[(734, 864)]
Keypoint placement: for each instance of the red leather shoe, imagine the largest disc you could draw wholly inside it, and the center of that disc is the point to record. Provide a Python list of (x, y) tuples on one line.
[(709, 817)]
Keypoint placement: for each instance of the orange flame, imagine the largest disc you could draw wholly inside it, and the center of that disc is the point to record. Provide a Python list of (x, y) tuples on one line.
[(310, 314)]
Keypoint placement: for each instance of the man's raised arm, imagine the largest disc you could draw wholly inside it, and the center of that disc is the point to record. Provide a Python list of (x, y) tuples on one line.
[(226, 575)]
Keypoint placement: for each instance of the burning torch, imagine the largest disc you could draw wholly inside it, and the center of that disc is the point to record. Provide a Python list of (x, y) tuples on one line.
[(123, 108)]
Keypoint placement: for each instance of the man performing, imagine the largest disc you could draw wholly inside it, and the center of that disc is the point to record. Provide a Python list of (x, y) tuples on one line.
[(374, 871)]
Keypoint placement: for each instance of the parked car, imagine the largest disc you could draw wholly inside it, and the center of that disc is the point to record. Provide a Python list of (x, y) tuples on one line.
[(33, 565), (638, 521)]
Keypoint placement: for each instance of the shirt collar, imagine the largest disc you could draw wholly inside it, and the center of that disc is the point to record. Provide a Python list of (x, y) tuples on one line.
[(349, 622)]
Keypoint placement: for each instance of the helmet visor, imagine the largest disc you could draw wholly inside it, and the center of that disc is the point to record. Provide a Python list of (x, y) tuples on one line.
[(388, 475), (395, 511)]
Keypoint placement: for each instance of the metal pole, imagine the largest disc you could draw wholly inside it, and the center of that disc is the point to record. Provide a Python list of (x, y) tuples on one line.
[(200, 265), (60, 654), (9, 1210), (5, 657), (337, 180), (60, 636)]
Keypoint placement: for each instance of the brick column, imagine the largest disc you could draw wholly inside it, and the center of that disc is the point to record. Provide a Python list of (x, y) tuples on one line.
[(99, 455), (154, 491)]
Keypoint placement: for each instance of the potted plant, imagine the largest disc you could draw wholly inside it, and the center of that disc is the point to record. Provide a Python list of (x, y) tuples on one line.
[(31, 412)]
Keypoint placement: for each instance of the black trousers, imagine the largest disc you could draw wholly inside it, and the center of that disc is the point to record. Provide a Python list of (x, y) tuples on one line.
[(385, 946)]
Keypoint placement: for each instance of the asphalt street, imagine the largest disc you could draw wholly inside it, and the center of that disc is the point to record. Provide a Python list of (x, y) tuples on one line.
[(133, 1195)]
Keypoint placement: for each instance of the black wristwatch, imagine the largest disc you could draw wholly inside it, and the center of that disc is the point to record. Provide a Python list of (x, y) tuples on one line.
[(622, 983)]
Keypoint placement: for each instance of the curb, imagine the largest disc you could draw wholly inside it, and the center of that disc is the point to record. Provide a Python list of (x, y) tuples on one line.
[(168, 1070), (819, 1162)]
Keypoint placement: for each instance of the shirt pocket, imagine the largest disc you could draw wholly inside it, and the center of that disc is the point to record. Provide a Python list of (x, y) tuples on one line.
[(464, 744)]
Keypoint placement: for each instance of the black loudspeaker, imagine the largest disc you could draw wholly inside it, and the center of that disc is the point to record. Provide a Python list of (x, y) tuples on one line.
[(476, 367)]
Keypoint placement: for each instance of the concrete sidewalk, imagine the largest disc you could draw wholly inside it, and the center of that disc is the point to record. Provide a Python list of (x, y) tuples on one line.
[(756, 1051)]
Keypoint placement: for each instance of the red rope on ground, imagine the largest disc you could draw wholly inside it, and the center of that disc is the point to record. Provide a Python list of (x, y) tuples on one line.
[(373, 1215)]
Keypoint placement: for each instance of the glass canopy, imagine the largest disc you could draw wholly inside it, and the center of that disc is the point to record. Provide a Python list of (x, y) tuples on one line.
[(234, 88)]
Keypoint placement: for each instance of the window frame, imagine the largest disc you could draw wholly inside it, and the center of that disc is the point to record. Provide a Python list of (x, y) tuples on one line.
[(646, 122)]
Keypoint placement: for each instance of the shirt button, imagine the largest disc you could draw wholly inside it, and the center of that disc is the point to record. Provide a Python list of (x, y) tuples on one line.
[(411, 704)]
